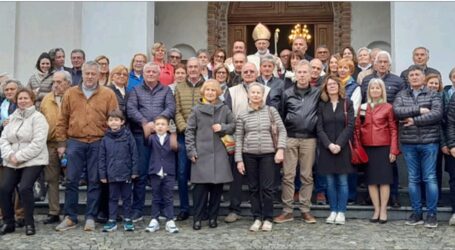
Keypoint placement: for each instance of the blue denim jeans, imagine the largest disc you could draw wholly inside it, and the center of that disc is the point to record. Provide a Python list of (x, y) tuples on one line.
[(183, 174), (421, 161), (140, 182), (82, 155), (337, 192)]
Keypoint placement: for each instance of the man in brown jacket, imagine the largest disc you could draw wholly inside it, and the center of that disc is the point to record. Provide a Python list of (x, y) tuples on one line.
[(187, 95), (50, 107), (81, 125)]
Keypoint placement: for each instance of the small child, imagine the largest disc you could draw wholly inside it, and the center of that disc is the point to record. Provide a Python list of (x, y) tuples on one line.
[(163, 146), (118, 159)]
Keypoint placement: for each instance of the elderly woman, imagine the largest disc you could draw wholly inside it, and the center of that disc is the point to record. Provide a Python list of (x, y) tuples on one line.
[(119, 80), (137, 65), (363, 59), (166, 69), (221, 73), (41, 81), (256, 153), (103, 61), (209, 122), (179, 76), (218, 57), (376, 127), (335, 128), (24, 153), (203, 57)]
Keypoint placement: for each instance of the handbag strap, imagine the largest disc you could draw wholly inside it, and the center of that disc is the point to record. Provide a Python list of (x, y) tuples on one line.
[(345, 113), (272, 119)]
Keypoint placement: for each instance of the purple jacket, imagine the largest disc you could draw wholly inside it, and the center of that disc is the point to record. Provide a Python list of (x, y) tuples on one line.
[(144, 104), (161, 156)]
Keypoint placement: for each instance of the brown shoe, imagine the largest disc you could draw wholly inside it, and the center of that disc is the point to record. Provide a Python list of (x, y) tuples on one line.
[(308, 218), (284, 217), (320, 199)]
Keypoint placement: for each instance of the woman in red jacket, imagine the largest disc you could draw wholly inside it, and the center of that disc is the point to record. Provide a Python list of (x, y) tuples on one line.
[(377, 128)]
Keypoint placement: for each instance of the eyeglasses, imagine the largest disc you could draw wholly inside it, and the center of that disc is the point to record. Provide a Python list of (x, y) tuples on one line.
[(248, 72), (121, 74), (174, 57), (219, 56)]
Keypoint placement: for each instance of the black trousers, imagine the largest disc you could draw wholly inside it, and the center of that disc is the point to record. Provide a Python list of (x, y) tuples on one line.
[(450, 168), (235, 188), (103, 208), (260, 172), (24, 178), (206, 192)]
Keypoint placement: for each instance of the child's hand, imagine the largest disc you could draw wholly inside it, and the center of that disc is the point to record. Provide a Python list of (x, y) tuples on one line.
[(103, 180), (134, 176)]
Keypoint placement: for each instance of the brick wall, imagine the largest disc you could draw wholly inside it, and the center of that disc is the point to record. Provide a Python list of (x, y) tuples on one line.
[(218, 26)]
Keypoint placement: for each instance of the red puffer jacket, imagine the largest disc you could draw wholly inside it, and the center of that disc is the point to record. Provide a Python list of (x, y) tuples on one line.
[(378, 126)]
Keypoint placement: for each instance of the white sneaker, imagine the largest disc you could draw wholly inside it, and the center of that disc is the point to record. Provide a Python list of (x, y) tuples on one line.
[(256, 225), (171, 227), (267, 226), (452, 220), (340, 219), (331, 218), (153, 226)]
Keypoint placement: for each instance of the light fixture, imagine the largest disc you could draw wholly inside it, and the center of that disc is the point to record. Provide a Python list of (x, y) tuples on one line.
[(300, 31)]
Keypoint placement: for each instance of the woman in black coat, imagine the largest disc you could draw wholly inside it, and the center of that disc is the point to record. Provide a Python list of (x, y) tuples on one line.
[(335, 128)]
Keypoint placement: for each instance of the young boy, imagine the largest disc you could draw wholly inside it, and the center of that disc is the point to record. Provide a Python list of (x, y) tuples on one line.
[(163, 146), (118, 160)]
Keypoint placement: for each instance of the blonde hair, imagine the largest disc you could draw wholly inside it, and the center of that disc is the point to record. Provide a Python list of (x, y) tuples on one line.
[(431, 76), (324, 93), (211, 83), (380, 82), (118, 69), (158, 45), (134, 57)]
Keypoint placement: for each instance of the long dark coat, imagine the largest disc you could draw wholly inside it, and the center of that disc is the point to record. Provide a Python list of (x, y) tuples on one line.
[(331, 128), (212, 165)]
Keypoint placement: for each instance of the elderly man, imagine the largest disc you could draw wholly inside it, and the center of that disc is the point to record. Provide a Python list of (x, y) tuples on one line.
[(316, 70), (393, 85), (235, 76), (420, 56), (420, 112), (145, 102), (236, 98), (370, 70), (187, 96), (261, 37), (81, 125), (174, 56), (267, 78), (299, 112), (238, 46), (50, 107), (300, 44), (323, 54), (77, 59)]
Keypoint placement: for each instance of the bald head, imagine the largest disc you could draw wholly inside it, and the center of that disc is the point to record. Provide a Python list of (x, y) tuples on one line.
[(316, 68), (249, 73)]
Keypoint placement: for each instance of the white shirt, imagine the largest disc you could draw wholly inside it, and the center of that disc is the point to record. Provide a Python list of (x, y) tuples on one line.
[(161, 138)]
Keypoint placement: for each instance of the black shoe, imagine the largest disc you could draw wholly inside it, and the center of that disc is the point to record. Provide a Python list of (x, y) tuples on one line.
[(395, 202), (213, 223), (205, 217), (182, 216), (382, 221), (374, 220), (415, 219), (20, 223), (51, 219), (197, 225), (431, 221), (7, 228), (30, 230)]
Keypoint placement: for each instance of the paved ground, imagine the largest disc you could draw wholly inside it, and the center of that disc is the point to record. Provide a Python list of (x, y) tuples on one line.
[(356, 234)]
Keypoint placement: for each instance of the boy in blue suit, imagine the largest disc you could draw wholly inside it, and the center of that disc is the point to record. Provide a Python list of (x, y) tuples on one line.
[(163, 146)]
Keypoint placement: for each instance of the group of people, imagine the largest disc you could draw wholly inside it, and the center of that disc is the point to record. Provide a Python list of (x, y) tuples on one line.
[(278, 123)]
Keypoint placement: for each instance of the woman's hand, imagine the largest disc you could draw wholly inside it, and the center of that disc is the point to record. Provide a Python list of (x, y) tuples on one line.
[(445, 150), (13, 160), (5, 122), (392, 158), (335, 149), (279, 156), (216, 127), (241, 167), (103, 180), (193, 159)]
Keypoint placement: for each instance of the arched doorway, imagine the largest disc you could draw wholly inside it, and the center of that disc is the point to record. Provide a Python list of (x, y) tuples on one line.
[(330, 22)]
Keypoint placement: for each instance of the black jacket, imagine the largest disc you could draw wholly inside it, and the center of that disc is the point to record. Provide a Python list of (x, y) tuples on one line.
[(393, 85), (426, 128), (276, 86), (299, 113), (427, 70), (450, 129), (120, 98)]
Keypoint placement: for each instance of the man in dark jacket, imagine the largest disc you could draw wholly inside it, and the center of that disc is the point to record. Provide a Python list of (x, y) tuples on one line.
[(316, 69), (235, 76), (145, 102), (267, 78), (450, 159), (420, 112), (299, 112), (393, 85), (420, 56)]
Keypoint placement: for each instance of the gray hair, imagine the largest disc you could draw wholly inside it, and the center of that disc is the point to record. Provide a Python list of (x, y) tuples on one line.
[(268, 58), (194, 59), (380, 82), (363, 48), (66, 76), (17, 82), (91, 64), (421, 47), (253, 84), (54, 51), (203, 51), (381, 53), (152, 64), (174, 50), (80, 51), (303, 62), (451, 72)]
